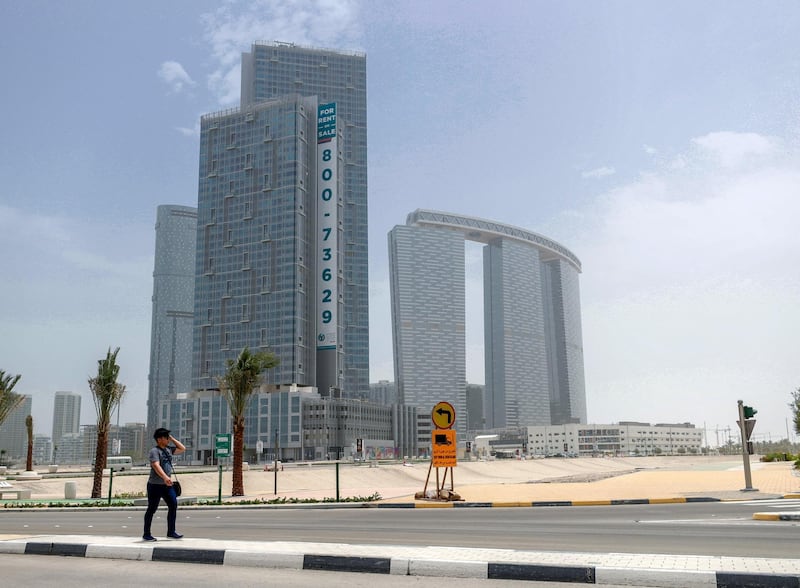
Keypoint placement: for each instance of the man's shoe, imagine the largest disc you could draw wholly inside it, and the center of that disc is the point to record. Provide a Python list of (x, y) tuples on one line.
[(149, 538), (174, 535)]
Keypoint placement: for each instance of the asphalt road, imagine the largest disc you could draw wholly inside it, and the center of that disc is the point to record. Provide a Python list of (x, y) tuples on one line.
[(691, 529)]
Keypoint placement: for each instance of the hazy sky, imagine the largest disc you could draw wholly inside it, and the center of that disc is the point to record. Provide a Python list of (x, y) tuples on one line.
[(656, 140)]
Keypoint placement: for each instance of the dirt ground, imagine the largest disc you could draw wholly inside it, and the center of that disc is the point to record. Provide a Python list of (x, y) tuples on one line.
[(502, 480)]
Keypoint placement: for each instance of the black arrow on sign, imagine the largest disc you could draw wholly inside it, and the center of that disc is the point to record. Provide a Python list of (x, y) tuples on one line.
[(449, 414)]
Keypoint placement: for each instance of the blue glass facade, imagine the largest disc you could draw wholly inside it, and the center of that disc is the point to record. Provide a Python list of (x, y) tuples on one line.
[(255, 256), (270, 71)]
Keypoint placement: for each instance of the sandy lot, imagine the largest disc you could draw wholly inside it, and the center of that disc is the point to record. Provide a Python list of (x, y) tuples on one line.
[(502, 480)]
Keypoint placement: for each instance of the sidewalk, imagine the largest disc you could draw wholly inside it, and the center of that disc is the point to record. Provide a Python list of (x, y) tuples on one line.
[(593, 568)]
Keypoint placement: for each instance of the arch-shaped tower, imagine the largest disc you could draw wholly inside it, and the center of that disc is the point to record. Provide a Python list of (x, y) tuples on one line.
[(532, 322)]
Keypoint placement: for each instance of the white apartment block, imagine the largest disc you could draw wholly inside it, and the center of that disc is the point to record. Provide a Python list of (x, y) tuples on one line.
[(626, 438)]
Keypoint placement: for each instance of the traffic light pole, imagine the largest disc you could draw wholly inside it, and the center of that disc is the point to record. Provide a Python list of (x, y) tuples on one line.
[(748, 481)]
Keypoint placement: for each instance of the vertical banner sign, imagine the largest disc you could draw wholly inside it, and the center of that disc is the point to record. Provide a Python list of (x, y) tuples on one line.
[(327, 226)]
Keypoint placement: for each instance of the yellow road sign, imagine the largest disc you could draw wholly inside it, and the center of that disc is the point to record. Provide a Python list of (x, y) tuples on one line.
[(443, 443), (443, 415)]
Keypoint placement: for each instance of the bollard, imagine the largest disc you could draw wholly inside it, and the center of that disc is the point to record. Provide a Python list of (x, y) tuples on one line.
[(110, 483), (70, 490)]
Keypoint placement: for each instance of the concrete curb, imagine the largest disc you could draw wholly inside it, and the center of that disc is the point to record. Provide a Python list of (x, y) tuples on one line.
[(779, 516), (190, 502), (173, 551), (539, 503), (776, 516)]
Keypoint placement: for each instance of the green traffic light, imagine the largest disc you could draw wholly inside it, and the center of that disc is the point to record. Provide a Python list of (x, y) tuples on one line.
[(749, 412)]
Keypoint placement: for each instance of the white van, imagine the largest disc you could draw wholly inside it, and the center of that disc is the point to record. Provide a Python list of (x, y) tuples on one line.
[(119, 463)]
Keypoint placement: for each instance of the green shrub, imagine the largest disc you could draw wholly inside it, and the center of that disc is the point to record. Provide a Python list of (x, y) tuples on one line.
[(779, 456), (286, 500)]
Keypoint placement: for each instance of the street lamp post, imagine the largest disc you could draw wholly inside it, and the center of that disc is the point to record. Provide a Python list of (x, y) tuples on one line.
[(745, 455)]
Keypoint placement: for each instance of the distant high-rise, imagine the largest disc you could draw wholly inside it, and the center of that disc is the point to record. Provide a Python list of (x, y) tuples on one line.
[(66, 415), (173, 303), (14, 433), (475, 407), (383, 392), (282, 223), (532, 324)]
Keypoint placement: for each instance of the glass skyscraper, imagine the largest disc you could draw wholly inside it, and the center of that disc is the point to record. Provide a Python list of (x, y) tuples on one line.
[(173, 305), (260, 257), (532, 324), (428, 317), (255, 259)]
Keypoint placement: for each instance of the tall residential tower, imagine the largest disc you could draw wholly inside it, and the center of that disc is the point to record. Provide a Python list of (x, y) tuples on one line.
[(428, 318), (282, 226)]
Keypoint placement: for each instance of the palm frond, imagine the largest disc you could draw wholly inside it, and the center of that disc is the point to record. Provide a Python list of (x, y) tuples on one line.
[(9, 401), (106, 391)]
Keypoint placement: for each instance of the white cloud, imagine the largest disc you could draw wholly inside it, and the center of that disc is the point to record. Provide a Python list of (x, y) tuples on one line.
[(733, 149), (232, 29), (705, 220), (14, 223), (226, 84), (599, 172), (190, 132), (689, 286), (650, 150), (175, 76)]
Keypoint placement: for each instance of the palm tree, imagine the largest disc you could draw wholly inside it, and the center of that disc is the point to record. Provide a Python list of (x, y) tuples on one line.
[(9, 400), (237, 386), (29, 427), (107, 393)]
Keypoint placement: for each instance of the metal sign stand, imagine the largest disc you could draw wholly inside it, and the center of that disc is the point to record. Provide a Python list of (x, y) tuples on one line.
[(439, 487), (443, 453)]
